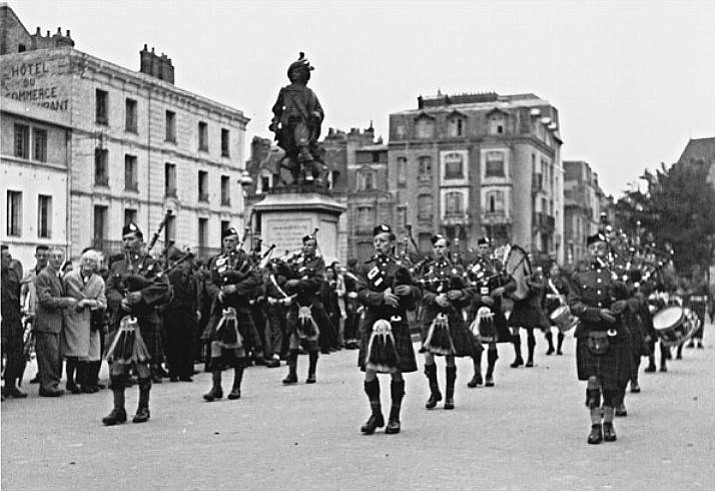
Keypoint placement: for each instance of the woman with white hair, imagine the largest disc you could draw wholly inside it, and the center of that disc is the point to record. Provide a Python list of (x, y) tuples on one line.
[(79, 343)]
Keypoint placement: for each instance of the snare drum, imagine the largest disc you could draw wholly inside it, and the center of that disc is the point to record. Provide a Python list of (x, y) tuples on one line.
[(672, 325), (563, 319)]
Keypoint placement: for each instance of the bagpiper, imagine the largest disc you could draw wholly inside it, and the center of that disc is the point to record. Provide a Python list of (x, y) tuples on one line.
[(386, 290), (231, 282), (135, 288)]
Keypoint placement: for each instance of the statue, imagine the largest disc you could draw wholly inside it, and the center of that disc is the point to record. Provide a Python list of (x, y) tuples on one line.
[(297, 116)]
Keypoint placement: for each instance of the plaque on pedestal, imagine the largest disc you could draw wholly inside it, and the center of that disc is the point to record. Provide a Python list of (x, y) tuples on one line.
[(284, 219)]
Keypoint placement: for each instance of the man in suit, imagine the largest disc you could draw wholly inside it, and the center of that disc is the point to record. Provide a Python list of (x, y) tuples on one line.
[(51, 300)]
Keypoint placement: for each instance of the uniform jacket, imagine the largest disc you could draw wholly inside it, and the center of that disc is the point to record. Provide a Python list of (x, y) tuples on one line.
[(310, 273), (439, 277), (591, 290), (374, 277), (228, 269)]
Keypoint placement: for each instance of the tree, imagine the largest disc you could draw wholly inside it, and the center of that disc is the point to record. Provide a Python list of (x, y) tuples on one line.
[(677, 210)]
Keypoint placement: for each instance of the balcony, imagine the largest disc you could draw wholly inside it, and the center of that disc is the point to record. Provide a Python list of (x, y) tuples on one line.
[(497, 217), (451, 219), (537, 183)]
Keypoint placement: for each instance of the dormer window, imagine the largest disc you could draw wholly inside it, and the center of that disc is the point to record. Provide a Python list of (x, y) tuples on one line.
[(497, 122), (424, 126), (455, 126)]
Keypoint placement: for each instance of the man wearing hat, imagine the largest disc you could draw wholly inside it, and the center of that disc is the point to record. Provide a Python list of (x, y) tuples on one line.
[(603, 356), (231, 283), (492, 284), (386, 291), (306, 315), (134, 291)]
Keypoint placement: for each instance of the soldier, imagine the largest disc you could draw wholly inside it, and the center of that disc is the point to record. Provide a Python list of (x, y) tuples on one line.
[(135, 288), (277, 303), (492, 284), (386, 290), (603, 354), (306, 315), (231, 283)]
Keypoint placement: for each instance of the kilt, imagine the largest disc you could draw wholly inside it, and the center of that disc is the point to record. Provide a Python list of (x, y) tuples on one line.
[(526, 314), (403, 343), (152, 339), (462, 338), (612, 369)]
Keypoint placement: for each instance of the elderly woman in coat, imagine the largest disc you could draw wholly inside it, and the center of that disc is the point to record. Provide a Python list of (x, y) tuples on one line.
[(79, 343)]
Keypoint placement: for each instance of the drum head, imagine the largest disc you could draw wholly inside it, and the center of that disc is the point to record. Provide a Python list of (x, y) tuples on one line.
[(517, 265), (667, 318)]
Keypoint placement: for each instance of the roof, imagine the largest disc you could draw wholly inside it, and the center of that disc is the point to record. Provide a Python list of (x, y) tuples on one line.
[(699, 149), (502, 102)]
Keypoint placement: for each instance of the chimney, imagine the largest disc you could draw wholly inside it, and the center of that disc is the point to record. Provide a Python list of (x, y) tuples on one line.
[(156, 66)]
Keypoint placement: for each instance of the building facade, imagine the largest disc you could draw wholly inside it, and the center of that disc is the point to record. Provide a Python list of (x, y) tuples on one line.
[(477, 165), (582, 208), (34, 154), (139, 145)]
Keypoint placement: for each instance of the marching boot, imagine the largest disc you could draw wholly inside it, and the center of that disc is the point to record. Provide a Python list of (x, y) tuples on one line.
[(292, 377), (651, 363), (312, 365), (609, 433), (237, 378), (216, 391), (142, 414), (550, 339), (376, 420), (596, 435), (531, 345), (435, 395), (118, 414), (560, 343), (635, 388), (449, 396), (621, 411), (492, 357), (397, 391), (518, 360), (477, 378)]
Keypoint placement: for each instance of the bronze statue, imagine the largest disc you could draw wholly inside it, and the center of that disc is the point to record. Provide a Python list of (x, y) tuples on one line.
[(297, 116)]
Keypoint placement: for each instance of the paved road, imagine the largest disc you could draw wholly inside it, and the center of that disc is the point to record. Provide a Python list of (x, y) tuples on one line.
[(527, 433)]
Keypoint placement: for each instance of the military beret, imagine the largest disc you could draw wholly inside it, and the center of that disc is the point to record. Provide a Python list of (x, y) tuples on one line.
[(131, 228), (597, 237), (308, 237), (437, 237), (228, 232), (483, 241), (382, 229)]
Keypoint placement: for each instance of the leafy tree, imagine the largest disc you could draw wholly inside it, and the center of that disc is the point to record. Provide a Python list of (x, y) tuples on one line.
[(677, 210)]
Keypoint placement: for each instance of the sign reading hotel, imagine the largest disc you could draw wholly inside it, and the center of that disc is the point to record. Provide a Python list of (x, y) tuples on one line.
[(36, 80)]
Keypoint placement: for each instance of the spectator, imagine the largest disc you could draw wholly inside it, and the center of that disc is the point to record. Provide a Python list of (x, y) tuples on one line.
[(11, 327)]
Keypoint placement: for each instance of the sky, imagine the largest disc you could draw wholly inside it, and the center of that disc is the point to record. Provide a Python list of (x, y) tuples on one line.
[(633, 81)]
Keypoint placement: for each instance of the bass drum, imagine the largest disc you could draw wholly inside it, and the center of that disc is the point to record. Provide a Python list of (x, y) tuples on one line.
[(517, 265)]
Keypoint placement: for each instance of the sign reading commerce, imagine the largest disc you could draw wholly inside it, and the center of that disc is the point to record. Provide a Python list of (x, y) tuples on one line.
[(37, 81)]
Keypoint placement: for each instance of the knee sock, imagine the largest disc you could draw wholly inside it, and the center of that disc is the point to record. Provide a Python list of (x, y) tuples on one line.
[(492, 357), (451, 377), (372, 389), (312, 362), (397, 391), (144, 389)]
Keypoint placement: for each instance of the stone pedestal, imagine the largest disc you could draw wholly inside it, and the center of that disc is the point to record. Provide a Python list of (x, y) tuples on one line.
[(284, 219)]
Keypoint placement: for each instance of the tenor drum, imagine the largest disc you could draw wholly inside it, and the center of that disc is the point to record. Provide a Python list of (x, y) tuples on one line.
[(563, 318), (672, 325)]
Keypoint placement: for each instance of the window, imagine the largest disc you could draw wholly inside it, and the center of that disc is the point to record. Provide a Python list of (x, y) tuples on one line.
[(203, 136), (401, 171), (366, 181), (130, 173), (424, 207), (39, 146), (130, 110), (101, 167), (425, 168), (22, 141), (454, 203), (14, 213), (170, 124), (224, 225), (425, 128), (495, 201), (496, 125), (364, 218), (401, 217), (170, 180), (494, 165), (455, 127), (375, 157), (101, 100), (454, 166), (130, 216), (225, 191), (44, 216), (203, 186), (21, 48), (170, 230), (100, 225), (225, 142), (203, 232)]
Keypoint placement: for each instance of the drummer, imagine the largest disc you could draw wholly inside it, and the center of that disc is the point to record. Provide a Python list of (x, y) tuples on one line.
[(555, 294), (603, 356)]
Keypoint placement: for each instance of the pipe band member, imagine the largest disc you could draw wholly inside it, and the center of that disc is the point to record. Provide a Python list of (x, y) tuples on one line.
[(445, 293), (603, 356), (306, 313), (230, 284), (134, 291), (386, 291), (492, 284)]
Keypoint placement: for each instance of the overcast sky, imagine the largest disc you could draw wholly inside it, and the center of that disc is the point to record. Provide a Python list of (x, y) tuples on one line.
[(633, 81)]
